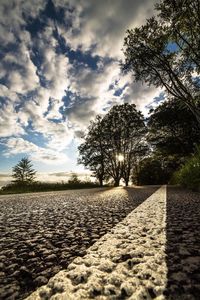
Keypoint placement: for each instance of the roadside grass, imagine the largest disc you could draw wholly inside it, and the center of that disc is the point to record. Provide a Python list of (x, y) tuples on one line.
[(18, 188)]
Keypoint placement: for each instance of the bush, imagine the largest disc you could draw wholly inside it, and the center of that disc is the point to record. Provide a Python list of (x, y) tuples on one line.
[(153, 171), (189, 174)]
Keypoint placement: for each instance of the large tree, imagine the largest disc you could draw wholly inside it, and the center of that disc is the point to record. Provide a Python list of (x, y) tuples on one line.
[(92, 152), (165, 51), (125, 137), (114, 143), (173, 133), (23, 171), (173, 130)]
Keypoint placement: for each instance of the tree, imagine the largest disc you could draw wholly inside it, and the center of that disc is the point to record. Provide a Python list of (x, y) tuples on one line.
[(125, 136), (74, 179), (120, 133), (23, 171), (173, 133), (165, 51), (173, 130), (150, 172), (92, 152)]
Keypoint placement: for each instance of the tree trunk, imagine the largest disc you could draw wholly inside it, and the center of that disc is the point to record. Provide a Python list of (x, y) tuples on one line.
[(101, 182), (126, 181), (117, 180)]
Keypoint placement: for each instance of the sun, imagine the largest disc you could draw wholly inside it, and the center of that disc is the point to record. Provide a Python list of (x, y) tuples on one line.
[(120, 157)]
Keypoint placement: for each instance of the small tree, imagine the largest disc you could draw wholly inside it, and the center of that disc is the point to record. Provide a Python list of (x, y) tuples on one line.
[(23, 171), (74, 179)]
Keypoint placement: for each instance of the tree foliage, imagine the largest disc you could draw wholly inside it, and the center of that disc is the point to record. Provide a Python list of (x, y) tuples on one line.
[(150, 172), (23, 171), (74, 179), (189, 173), (173, 134), (92, 151), (165, 51), (120, 132), (124, 135), (173, 130)]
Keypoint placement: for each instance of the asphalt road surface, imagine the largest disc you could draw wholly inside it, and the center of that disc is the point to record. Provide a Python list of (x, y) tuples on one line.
[(153, 253), (183, 244), (40, 234)]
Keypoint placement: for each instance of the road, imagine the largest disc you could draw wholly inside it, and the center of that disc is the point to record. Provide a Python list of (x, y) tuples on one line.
[(153, 253), (42, 233), (183, 244)]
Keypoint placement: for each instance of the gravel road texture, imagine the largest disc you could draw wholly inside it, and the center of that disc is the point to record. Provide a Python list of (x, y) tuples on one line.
[(41, 233)]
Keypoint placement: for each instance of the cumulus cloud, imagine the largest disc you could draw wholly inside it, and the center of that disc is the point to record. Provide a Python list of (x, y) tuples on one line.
[(63, 176), (21, 72), (101, 90), (103, 25), (93, 92), (38, 69), (9, 121), (12, 16), (139, 94), (36, 153), (8, 94)]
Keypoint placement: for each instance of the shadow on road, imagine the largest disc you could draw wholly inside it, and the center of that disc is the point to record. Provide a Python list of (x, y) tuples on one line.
[(183, 244), (140, 193)]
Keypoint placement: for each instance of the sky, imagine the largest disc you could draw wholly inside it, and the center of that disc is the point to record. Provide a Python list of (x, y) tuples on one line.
[(59, 68)]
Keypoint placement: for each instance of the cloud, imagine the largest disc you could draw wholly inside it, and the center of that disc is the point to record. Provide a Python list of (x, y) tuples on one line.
[(5, 178), (96, 92), (139, 94), (12, 16), (9, 121), (21, 72), (38, 68), (102, 26), (92, 92), (36, 153), (63, 176), (8, 94)]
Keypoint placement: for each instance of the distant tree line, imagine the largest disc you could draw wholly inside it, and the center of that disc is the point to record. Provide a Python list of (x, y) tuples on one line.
[(24, 181)]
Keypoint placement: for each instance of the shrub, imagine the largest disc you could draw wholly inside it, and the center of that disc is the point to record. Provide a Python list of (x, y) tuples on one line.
[(189, 174)]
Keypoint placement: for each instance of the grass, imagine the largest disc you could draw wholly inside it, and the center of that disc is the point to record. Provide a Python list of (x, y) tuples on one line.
[(18, 188)]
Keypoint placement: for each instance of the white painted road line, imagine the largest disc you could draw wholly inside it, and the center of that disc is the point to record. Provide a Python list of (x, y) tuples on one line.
[(129, 262)]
